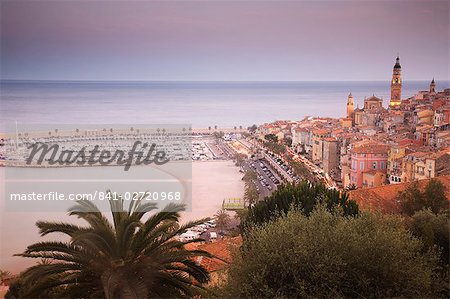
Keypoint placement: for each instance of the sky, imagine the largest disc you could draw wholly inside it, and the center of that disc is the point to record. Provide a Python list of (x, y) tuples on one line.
[(224, 40)]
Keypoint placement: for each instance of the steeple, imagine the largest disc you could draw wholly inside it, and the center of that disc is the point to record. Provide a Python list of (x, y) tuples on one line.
[(432, 86), (350, 99), (397, 63), (350, 106), (396, 84)]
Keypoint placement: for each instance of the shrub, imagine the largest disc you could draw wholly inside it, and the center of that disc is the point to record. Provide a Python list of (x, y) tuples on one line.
[(302, 196), (330, 255)]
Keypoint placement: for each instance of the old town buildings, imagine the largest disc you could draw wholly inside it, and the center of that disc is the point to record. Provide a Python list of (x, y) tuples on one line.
[(375, 145)]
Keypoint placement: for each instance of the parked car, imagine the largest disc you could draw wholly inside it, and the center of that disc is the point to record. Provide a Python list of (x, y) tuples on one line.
[(189, 236)]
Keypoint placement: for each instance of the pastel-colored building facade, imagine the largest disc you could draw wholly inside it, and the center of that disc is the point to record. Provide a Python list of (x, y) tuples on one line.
[(371, 159), (317, 144)]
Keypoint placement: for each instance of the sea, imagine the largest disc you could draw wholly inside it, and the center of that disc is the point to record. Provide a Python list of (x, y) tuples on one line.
[(201, 104)]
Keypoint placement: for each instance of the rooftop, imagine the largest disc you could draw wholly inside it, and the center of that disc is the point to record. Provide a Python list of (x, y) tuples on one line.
[(320, 132), (371, 148), (220, 249), (384, 198)]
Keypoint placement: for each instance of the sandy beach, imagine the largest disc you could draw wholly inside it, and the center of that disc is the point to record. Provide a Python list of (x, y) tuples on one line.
[(212, 181)]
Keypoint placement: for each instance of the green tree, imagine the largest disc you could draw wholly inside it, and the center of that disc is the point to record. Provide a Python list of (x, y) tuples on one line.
[(301, 170), (251, 195), (303, 196), (275, 147), (222, 220), (249, 176), (135, 256), (288, 141), (239, 159), (252, 128), (412, 199), (435, 197), (240, 214), (271, 138), (330, 255), (433, 229)]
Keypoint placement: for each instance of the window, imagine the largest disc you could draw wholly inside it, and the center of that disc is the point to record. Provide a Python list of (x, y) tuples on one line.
[(382, 164), (361, 166), (374, 165)]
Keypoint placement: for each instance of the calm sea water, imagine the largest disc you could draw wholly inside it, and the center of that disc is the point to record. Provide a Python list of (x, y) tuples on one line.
[(201, 104)]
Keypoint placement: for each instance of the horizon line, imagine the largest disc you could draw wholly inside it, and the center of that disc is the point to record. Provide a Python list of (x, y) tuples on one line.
[(206, 81)]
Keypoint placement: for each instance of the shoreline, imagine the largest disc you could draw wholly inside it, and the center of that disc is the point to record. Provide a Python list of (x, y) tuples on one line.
[(212, 182)]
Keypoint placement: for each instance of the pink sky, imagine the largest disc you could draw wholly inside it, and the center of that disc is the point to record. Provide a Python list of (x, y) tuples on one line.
[(223, 40)]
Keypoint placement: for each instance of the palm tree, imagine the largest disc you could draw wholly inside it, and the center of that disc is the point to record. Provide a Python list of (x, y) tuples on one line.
[(222, 219), (251, 195), (249, 176), (131, 257)]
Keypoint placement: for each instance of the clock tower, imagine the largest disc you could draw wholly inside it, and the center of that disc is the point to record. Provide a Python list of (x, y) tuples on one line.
[(396, 84)]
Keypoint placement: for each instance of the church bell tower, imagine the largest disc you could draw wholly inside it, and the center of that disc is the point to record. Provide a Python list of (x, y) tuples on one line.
[(350, 106), (396, 84), (433, 86)]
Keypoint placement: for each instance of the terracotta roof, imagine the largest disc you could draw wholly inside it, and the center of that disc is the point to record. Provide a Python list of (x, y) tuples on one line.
[(221, 249), (320, 132), (371, 149), (405, 142), (384, 198)]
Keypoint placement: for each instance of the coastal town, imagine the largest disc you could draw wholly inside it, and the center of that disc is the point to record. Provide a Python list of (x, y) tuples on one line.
[(225, 149), (369, 147), (373, 145), (371, 154)]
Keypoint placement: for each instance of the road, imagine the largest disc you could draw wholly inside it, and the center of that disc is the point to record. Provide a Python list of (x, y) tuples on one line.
[(286, 176), (329, 183), (266, 176), (314, 169), (280, 169)]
